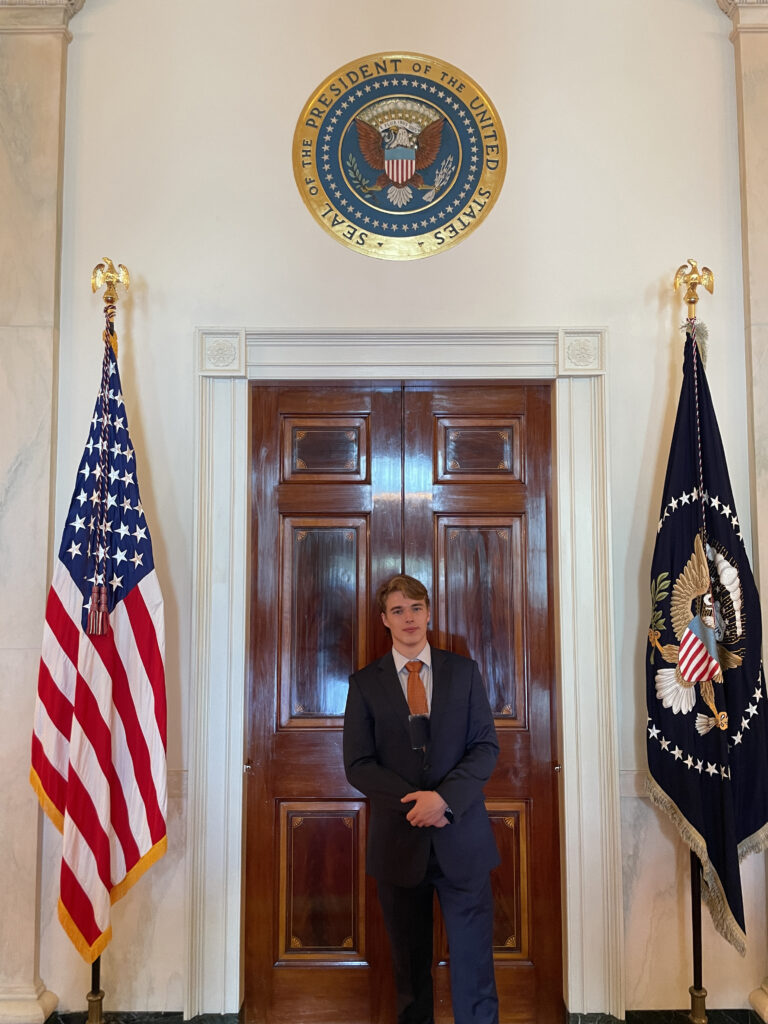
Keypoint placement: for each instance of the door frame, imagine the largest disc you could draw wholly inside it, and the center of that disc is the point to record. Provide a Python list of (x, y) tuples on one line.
[(575, 360)]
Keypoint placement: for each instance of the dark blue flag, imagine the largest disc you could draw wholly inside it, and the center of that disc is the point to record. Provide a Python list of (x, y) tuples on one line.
[(707, 707)]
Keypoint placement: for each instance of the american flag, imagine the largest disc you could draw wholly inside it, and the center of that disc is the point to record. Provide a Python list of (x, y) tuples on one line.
[(99, 738)]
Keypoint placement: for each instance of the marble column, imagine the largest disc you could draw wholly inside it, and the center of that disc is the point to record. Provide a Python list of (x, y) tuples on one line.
[(750, 41), (33, 54)]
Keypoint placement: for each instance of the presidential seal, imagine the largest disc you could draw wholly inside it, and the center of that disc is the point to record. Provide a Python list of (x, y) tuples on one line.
[(399, 156)]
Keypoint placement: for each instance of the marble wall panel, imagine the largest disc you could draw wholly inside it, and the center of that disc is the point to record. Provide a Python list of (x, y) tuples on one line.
[(752, 63), (31, 126), (26, 387), (18, 818), (657, 920)]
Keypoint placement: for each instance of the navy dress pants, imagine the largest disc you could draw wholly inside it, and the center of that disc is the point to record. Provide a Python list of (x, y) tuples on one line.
[(467, 908)]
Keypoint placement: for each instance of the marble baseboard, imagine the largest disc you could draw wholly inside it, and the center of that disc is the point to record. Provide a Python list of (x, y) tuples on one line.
[(591, 1018), (682, 1017), (633, 1017), (667, 1017)]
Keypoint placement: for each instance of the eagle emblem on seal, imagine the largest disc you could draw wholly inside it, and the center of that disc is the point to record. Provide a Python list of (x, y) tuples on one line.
[(401, 139), (705, 611)]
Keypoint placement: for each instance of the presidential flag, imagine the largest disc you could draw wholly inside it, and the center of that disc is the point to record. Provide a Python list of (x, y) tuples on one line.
[(99, 737), (707, 709)]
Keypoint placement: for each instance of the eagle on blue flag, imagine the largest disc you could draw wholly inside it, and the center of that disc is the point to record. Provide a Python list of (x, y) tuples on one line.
[(707, 731)]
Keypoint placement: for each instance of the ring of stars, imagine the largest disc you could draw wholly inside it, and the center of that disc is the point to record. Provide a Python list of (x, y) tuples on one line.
[(362, 217), (709, 501), (703, 766)]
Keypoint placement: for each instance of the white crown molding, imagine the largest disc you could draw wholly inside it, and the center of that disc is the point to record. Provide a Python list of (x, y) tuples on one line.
[(221, 353), (574, 359), (746, 15), (38, 16), (727, 6), (525, 354)]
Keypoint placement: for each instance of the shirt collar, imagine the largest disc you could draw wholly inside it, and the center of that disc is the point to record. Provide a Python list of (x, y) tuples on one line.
[(401, 660)]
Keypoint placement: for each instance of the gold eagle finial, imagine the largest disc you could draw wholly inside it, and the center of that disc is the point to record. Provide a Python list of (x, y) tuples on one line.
[(105, 274), (690, 275)]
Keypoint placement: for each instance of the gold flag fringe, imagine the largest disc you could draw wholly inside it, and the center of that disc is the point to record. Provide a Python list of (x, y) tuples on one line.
[(46, 803), (712, 891), (755, 843)]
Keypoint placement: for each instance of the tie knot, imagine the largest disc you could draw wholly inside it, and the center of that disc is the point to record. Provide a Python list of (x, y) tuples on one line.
[(413, 666)]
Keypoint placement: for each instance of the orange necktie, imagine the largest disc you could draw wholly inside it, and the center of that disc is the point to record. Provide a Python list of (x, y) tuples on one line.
[(417, 697)]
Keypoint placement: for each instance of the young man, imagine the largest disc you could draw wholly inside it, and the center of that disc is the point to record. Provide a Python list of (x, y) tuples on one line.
[(420, 743)]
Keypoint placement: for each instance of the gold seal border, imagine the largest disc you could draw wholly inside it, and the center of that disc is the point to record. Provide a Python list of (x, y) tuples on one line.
[(332, 219)]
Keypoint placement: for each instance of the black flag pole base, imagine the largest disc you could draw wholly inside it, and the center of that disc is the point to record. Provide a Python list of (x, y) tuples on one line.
[(96, 996), (95, 1003), (698, 1014)]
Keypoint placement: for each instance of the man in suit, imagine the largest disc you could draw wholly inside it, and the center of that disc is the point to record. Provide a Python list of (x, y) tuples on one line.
[(420, 743)]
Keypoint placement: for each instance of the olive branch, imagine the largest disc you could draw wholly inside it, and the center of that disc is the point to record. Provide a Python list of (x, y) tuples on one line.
[(659, 592), (360, 183)]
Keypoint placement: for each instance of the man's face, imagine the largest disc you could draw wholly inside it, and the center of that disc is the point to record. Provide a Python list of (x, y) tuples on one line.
[(407, 620)]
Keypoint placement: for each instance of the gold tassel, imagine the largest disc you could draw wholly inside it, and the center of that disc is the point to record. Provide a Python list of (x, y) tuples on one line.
[(98, 613)]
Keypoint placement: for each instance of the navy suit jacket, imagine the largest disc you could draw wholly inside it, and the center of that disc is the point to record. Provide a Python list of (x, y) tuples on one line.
[(457, 762)]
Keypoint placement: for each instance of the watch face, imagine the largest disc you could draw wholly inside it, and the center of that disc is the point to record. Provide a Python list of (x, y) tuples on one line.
[(399, 156)]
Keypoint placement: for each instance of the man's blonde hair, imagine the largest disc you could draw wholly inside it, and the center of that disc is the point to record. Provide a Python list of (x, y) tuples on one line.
[(407, 585)]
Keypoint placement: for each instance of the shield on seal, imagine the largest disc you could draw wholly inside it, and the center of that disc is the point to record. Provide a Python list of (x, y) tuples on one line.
[(698, 652), (400, 164)]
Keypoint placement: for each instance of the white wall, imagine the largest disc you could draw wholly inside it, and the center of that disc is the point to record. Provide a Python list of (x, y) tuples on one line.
[(621, 126)]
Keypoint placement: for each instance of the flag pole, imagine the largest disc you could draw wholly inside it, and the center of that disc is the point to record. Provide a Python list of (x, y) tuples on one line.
[(691, 276), (95, 997), (698, 1014), (104, 274)]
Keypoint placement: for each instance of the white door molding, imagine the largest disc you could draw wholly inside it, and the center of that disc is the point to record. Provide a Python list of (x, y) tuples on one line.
[(227, 358)]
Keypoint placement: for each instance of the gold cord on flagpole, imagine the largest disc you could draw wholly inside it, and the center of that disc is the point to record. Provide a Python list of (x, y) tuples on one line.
[(690, 275), (105, 274)]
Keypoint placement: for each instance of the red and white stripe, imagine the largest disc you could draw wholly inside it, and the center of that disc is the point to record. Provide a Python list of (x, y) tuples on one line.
[(695, 662), (399, 171), (98, 750)]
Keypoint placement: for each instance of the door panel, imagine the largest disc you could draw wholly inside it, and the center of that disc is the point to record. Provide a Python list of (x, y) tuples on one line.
[(324, 621), (479, 560), (321, 903), (351, 484)]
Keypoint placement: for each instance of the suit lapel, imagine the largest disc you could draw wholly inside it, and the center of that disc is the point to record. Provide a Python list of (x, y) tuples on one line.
[(440, 683), (391, 688)]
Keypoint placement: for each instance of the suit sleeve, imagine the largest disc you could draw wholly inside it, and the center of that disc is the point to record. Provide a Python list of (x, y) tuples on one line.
[(361, 765), (463, 784)]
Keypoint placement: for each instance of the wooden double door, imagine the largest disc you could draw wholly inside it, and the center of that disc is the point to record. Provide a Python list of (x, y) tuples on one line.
[(350, 485)]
